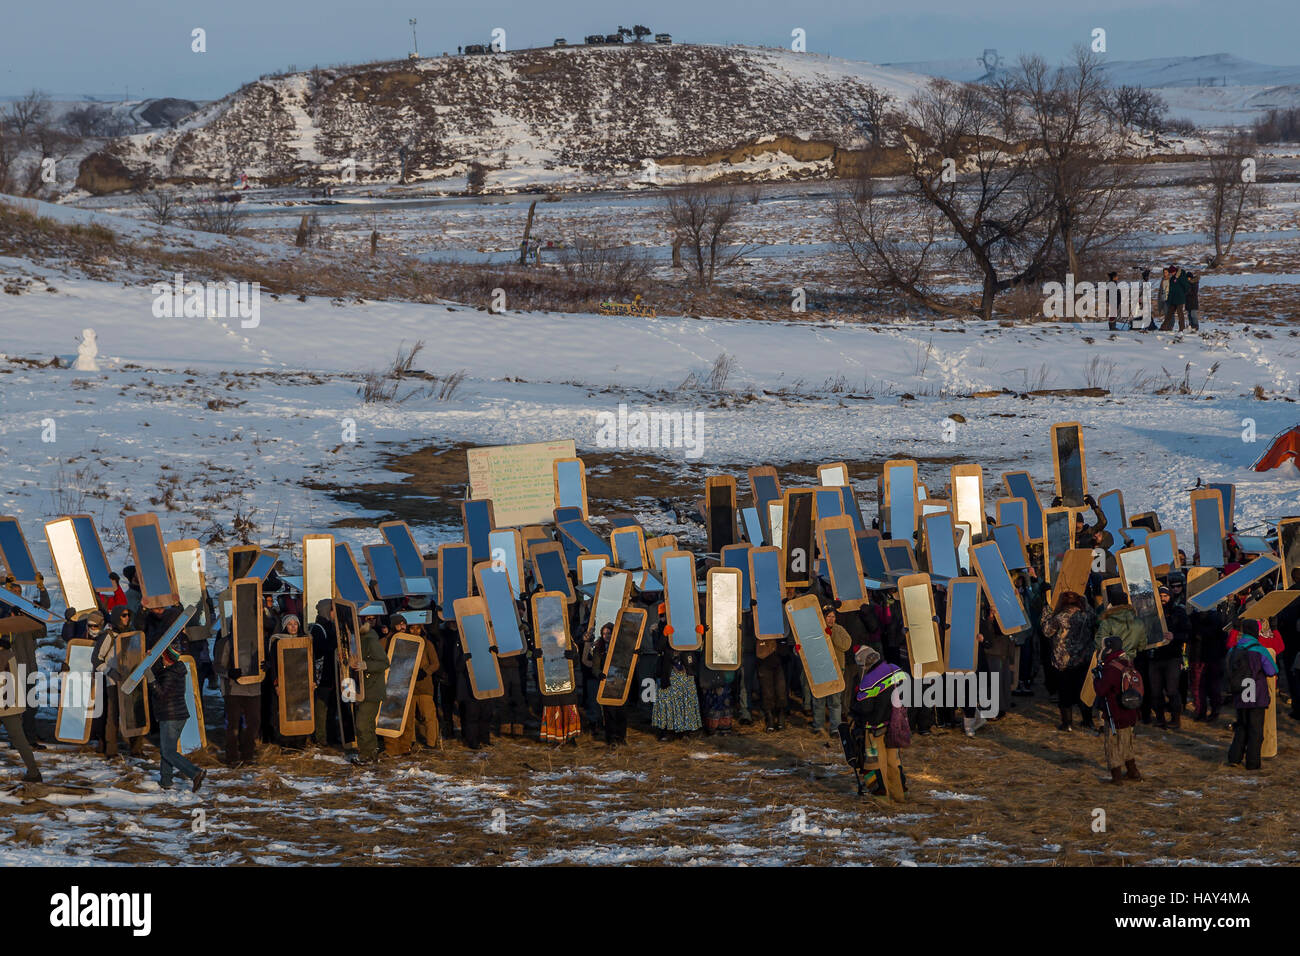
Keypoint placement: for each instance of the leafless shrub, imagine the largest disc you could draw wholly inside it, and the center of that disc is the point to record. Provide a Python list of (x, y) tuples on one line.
[(1099, 373), (379, 386), (721, 371), (212, 214), (621, 270), (161, 205)]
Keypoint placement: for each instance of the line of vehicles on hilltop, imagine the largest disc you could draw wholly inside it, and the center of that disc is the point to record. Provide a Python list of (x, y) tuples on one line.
[(636, 34)]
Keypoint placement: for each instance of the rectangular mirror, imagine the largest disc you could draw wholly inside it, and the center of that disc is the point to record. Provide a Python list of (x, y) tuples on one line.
[(589, 568), (186, 558), (1228, 495), (70, 567), (968, 496), (941, 545), (1068, 460), (347, 621), (829, 503), (752, 526), (722, 631), (503, 614), (920, 624), (655, 548), (14, 552), (1013, 511), (549, 570), (385, 575), (571, 484), (776, 521), (295, 685), (76, 694), (962, 530), (1252, 544), (132, 708), (1020, 485), (404, 653), (1227, 586), (1146, 519), (348, 582), (410, 562), (454, 575), (628, 545), (1288, 546), (476, 644), (1163, 548), (737, 556), (92, 551), (1111, 505), (683, 599), (833, 475), (1140, 586), (317, 575), (585, 537), (840, 546), (246, 629), (1012, 547), (998, 588), (963, 624), (798, 529), (821, 665), (1135, 536), (193, 735), (870, 556), (898, 501), (1208, 528), (764, 488), (262, 565), (477, 522), (150, 557), (240, 558), (765, 587), (1060, 539), (551, 630), (850, 507), (621, 657), (720, 511), (506, 548), (899, 558), (613, 589)]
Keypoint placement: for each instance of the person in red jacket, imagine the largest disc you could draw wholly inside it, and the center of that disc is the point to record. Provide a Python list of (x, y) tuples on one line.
[(1117, 732)]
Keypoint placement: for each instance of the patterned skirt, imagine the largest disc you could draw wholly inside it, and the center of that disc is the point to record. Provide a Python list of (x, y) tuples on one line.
[(560, 723), (676, 707)]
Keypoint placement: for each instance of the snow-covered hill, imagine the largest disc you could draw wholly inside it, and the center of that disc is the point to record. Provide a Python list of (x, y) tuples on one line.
[(530, 117)]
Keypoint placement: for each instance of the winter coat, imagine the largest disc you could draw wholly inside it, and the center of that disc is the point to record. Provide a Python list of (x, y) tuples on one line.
[(1193, 296), (1070, 632), (13, 696), (1180, 627), (873, 698), (170, 682), (1178, 288), (1122, 622), (222, 663), (374, 664), (1261, 665), (1108, 686)]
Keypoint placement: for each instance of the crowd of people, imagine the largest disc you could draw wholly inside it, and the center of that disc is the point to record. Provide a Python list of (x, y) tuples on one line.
[(1088, 639)]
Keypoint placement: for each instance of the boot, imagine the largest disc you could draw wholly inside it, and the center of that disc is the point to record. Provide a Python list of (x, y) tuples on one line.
[(1116, 775), (1132, 768), (767, 722), (1065, 720)]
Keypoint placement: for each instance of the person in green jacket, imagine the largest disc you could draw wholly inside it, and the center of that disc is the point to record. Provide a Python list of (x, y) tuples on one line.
[(1175, 305), (374, 664), (1121, 621)]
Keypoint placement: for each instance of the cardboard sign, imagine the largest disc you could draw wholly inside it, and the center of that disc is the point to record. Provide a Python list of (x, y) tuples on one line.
[(518, 479), (295, 685), (820, 660), (621, 657)]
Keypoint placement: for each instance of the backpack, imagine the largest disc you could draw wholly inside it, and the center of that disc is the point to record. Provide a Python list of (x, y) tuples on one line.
[(1130, 685), (1240, 675)]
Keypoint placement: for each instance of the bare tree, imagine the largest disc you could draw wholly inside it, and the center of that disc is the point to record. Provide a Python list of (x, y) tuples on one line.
[(25, 114), (212, 214), (877, 108), (703, 217), (1136, 108), (618, 270), (161, 205), (1231, 193)]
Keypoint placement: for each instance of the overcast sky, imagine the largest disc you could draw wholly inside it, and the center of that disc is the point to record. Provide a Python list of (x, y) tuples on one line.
[(107, 47)]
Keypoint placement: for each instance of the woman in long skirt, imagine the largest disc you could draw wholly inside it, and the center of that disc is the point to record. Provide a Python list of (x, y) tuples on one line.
[(676, 708)]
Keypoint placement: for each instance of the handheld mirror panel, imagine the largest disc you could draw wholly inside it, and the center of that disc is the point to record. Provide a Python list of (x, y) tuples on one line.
[(776, 522), (65, 549), (765, 582), (585, 537), (998, 587), (941, 545), (14, 552), (752, 526), (830, 504), (1011, 546), (92, 550), (764, 489), (917, 601), (347, 577), (410, 564), (246, 624), (295, 686), (549, 569), (720, 499), (1243, 577), (384, 571), (833, 475), (1060, 537), (1228, 495), (797, 537), (1207, 524), (612, 590), (133, 707), (815, 651), (737, 556), (403, 661), (571, 484), (1288, 544), (1014, 511), (477, 521), (317, 574), (968, 496), (839, 540), (77, 694), (550, 620), (963, 623), (1163, 548), (150, 557), (1111, 505), (494, 586), (505, 546), (454, 574), (1071, 474), (476, 643), (620, 659), (1139, 584), (900, 499), (1020, 485), (187, 571), (682, 598), (629, 548), (722, 650)]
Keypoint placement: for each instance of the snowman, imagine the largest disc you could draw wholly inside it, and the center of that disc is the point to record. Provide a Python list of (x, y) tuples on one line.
[(87, 352)]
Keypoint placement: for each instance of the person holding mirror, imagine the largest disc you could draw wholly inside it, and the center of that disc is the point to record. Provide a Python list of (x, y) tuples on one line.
[(1069, 628), (614, 716), (676, 710)]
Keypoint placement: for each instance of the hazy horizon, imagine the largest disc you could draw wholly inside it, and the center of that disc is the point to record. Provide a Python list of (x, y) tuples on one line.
[(142, 47)]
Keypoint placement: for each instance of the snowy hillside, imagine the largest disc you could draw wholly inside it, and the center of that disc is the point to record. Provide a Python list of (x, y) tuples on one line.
[(530, 117)]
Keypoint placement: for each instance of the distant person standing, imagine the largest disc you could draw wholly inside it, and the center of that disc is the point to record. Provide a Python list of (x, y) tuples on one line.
[(1193, 301), (1175, 304)]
